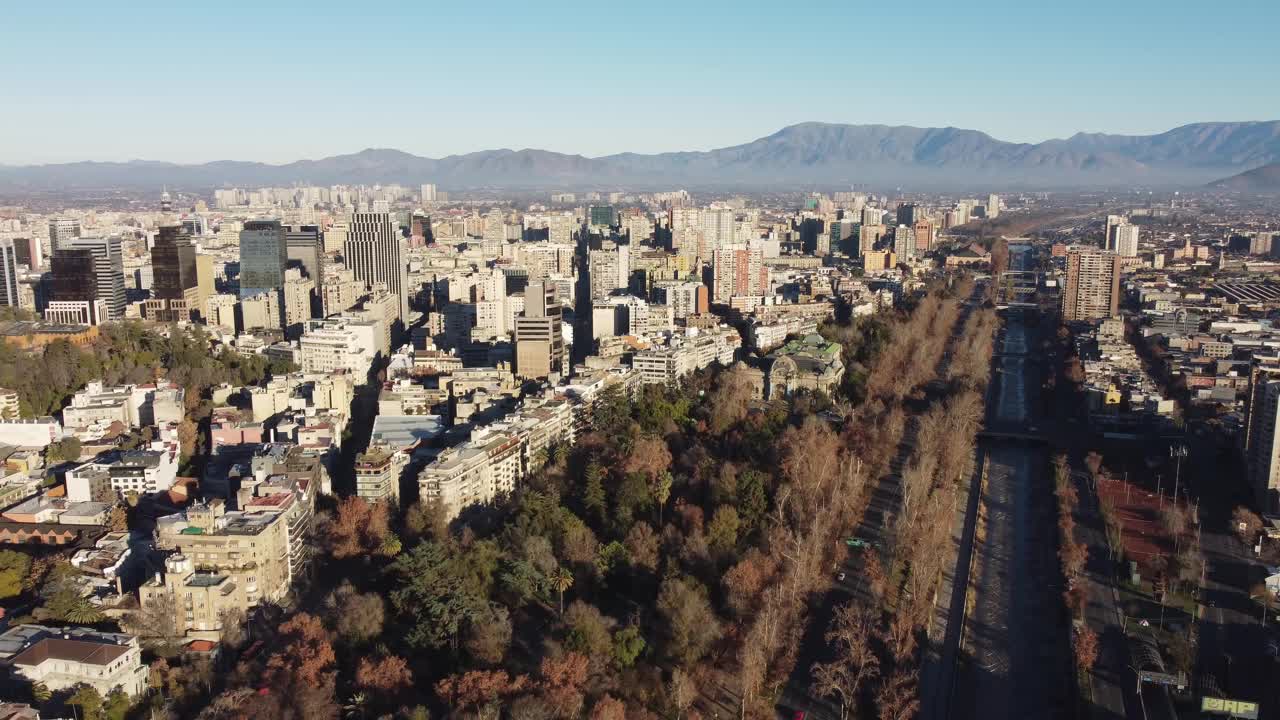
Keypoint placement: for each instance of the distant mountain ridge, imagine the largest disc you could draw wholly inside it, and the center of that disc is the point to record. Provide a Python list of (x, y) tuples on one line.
[(1265, 179), (807, 153)]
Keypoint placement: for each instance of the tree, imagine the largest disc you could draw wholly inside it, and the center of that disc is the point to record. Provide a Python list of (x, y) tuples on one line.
[(306, 655), (561, 580), (642, 546), (752, 498), (479, 687), (855, 661), (440, 588), (118, 519), (14, 568), (117, 705), (356, 617), (897, 699), (89, 701), (690, 622), (69, 606), (681, 691), (1085, 645), (588, 630), (489, 636), (608, 708), (593, 497), (628, 645), (64, 450), (561, 680), (188, 438), (722, 533), (426, 519), (358, 528), (729, 402), (661, 488), (1246, 524), (649, 457), (387, 675)]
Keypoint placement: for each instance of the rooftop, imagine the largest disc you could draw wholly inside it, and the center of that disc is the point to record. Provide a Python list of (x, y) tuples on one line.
[(81, 651)]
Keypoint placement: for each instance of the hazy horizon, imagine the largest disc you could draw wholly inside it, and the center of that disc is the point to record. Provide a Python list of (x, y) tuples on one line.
[(280, 84)]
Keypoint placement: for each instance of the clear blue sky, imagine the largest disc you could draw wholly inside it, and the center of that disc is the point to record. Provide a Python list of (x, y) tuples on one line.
[(193, 81)]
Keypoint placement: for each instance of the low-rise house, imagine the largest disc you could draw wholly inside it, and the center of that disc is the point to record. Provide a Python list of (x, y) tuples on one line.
[(61, 659)]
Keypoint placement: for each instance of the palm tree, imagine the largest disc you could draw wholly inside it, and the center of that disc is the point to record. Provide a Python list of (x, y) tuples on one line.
[(41, 693), (561, 580)]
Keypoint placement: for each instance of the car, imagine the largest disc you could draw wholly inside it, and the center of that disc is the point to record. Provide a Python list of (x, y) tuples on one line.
[(840, 577), (800, 715), (858, 543)]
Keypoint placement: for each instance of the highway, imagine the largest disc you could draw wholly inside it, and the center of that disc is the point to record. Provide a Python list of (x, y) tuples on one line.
[(1015, 653)]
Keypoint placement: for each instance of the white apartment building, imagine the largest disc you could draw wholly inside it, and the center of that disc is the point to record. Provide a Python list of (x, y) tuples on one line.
[(665, 365), (496, 457), (329, 345)]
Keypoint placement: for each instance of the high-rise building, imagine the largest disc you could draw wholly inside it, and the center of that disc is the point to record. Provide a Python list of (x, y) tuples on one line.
[(993, 206), (608, 269), (1109, 232), (605, 215), (908, 214), (540, 348), (1124, 240), (872, 216), (87, 270), (372, 252), (904, 242), (175, 283), (8, 274), (305, 249), (925, 235), (263, 257), (1262, 445), (738, 270), (718, 228), (62, 229), (428, 193), (1093, 285), (29, 252)]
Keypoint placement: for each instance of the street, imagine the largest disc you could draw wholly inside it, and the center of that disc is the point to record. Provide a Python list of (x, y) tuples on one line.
[(1016, 659)]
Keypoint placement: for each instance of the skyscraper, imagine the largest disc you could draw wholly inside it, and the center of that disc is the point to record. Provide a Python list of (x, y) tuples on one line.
[(305, 249), (29, 252), (176, 284), (1124, 240), (372, 252), (428, 193), (93, 269), (608, 269), (993, 206), (540, 348), (8, 274), (1093, 285), (738, 270), (263, 257), (62, 229), (1108, 233), (1262, 445), (602, 215)]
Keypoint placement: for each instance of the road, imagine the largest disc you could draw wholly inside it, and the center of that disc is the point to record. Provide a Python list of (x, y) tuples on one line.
[(1016, 660), (1232, 643)]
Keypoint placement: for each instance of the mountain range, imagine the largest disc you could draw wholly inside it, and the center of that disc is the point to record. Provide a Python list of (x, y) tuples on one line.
[(815, 154), (1265, 179)]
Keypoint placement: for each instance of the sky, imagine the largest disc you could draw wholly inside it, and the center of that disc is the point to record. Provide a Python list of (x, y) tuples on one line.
[(276, 82)]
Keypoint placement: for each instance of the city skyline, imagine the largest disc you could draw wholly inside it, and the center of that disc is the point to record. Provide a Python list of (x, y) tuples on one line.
[(543, 78)]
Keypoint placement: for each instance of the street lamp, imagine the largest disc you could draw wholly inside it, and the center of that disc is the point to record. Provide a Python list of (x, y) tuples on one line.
[(1177, 451)]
